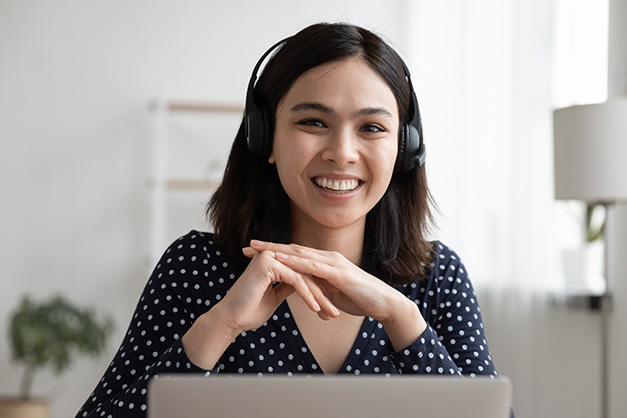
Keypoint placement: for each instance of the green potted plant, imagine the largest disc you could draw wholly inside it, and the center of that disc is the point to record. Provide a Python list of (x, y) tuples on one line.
[(595, 222), (49, 334)]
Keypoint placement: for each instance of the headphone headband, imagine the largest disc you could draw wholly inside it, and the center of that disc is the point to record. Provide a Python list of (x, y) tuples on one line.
[(258, 123), (250, 102)]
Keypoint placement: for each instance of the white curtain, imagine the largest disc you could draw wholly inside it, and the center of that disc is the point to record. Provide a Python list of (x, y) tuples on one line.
[(483, 74), (488, 74)]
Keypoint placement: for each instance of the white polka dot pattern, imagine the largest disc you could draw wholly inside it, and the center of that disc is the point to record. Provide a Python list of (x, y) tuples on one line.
[(193, 275)]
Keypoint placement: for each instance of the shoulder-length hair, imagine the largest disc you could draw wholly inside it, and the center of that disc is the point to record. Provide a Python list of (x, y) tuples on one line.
[(250, 203)]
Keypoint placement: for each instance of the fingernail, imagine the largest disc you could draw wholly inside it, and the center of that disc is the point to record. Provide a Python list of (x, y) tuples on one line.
[(316, 306), (256, 242), (281, 256)]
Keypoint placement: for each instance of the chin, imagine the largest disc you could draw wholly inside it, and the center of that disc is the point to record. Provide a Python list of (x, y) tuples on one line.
[(340, 222)]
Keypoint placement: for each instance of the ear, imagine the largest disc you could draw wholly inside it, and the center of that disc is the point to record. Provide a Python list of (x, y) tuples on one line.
[(271, 158)]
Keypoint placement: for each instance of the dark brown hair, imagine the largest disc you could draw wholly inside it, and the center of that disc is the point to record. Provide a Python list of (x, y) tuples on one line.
[(250, 203)]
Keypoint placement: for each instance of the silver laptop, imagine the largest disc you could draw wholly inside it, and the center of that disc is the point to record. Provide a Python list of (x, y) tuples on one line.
[(248, 396)]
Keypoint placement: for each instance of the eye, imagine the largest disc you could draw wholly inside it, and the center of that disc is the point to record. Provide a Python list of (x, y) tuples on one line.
[(312, 122), (372, 128)]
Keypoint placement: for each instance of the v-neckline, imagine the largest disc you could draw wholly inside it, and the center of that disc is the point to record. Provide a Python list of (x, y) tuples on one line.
[(307, 357)]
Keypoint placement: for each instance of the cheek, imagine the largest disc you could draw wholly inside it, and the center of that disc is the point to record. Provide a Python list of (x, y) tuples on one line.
[(293, 150), (291, 160), (383, 164), (385, 159)]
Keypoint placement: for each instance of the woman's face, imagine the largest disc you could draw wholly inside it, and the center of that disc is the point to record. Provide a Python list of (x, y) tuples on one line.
[(335, 143)]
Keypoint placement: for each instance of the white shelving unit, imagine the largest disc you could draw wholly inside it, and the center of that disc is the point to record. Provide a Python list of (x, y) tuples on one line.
[(163, 182)]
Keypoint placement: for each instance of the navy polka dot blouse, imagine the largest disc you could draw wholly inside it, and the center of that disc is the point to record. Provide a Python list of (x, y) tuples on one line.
[(194, 274)]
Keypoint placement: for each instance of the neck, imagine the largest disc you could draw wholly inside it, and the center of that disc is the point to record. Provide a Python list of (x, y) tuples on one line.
[(347, 240)]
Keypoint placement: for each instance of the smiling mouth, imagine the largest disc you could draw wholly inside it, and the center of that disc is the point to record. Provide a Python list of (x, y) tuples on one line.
[(337, 186)]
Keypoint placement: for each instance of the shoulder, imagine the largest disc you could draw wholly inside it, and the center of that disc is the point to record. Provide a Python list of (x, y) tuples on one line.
[(194, 270), (449, 280), (446, 273), (448, 270), (445, 259), (447, 287), (192, 241), (195, 246), (196, 256)]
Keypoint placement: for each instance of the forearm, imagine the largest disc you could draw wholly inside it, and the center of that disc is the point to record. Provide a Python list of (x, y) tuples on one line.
[(207, 339), (405, 326)]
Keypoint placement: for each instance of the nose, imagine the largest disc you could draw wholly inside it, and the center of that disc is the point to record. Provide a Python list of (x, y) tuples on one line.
[(341, 148)]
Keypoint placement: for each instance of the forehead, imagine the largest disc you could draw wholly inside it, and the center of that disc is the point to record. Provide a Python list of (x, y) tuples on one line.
[(346, 83)]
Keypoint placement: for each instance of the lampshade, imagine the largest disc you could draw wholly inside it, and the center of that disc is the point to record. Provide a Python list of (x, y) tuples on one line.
[(590, 151)]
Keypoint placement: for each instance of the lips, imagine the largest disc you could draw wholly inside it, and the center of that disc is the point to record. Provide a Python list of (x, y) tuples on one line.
[(336, 185)]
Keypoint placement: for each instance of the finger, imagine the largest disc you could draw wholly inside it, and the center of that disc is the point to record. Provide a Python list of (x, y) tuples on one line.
[(291, 249), (328, 277), (249, 252), (310, 266), (296, 280), (328, 289), (303, 284), (327, 306), (323, 316), (309, 291)]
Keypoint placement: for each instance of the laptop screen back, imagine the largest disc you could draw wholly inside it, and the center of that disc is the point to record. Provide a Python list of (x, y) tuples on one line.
[(328, 396)]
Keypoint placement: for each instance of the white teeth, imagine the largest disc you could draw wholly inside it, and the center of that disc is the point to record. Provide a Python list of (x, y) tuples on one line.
[(337, 185)]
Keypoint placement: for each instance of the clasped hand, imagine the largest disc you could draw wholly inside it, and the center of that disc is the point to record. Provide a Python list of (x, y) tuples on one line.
[(325, 280)]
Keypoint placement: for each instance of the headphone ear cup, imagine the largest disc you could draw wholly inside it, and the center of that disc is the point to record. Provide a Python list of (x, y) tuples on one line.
[(402, 149), (410, 151), (254, 130), (266, 130), (259, 132)]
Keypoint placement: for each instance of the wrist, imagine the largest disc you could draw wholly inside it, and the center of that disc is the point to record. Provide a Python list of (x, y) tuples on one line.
[(222, 321), (405, 325)]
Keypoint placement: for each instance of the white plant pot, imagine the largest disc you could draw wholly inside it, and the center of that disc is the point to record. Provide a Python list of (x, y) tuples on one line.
[(19, 408), (583, 268)]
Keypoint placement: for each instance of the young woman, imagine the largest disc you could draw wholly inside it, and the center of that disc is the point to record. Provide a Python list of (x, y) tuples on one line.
[(319, 261)]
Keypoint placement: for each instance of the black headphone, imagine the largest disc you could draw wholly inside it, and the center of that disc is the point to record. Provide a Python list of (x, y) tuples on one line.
[(258, 125)]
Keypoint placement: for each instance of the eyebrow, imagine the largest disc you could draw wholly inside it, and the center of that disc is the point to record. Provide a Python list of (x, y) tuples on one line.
[(326, 109), (380, 111), (312, 106)]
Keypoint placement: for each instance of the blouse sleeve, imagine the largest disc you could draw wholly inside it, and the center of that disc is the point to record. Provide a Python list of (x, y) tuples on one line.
[(152, 344), (454, 341)]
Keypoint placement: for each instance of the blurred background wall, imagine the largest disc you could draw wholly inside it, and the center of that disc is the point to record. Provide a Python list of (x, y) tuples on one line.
[(76, 143)]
